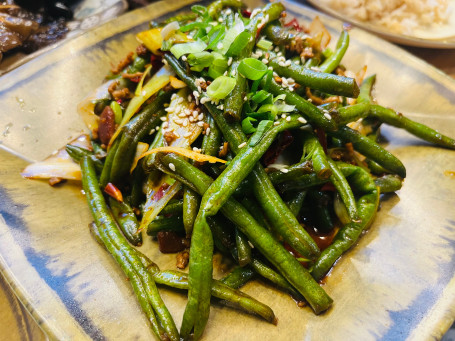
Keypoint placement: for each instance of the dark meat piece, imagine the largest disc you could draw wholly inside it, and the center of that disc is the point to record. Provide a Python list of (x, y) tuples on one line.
[(170, 242), (13, 31), (123, 63), (106, 126)]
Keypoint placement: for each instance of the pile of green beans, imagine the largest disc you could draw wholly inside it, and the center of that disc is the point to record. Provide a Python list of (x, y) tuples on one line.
[(264, 216)]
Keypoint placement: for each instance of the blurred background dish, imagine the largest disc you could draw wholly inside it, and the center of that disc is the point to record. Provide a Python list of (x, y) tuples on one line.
[(424, 23)]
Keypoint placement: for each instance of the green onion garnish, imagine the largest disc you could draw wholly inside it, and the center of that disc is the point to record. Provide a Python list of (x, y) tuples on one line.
[(179, 50), (252, 68), (239, 43), (215, 35), (221, 87), (264, 44), (247, 125), (200, 60)]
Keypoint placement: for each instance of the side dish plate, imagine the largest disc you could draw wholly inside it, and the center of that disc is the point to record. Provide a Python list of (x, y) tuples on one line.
[(398, 283), (438, 36)]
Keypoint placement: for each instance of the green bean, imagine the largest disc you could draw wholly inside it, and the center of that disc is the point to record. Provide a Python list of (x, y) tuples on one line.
[(359, 178), (302, 183), (278, 35), (294, 171), (259, 236), (161, 223), (77, 153), (275, 209), (181, 18), (106, 172), (234, 102), (352, 113), (334, 60), (370, 149), (147, 119), (389, 183), (365, 90), (222, 238), (395, 119), (238, 277), (274, 277), (243, 248), (255, 210), (126, 220), (344, 190), (180, 280), (211, 142), (347, 235), (214, 9), (320, 210), (325, 82), (308, 110), (296, 202), (137, 178), (313, 150), (190, 208), (109, 230), (173, 207)]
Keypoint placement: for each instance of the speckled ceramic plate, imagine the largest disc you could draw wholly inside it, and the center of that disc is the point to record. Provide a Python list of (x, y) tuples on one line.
[(437, 37), (397, 284)]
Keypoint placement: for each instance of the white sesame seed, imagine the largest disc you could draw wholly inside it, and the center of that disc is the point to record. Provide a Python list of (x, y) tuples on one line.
[(182, 115), (219, 46), (229, 61), (152, 131), (204, 99), (200, 117), (241, 145), (276, 123), (270, 68), (189, 98), (279, 54), (327, 116), (180, 100), (157, 128), (195, 94), (284, 170), (178, 120), (245, 98), (165, 62), (200, 124), (207, 131), (287, 63), (191, 119), (184, 58), (172, 167), (277, 49), (188, 134), (265, 61), (297, 62), (288, 119), (302, 120), (283, 115), (310, 100), (199, 89), (177, 135), (185, 122), (163, 118), (228, 11), (275, 74)]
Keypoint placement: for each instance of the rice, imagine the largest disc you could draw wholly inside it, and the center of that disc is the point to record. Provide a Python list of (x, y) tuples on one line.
[(399, 16)]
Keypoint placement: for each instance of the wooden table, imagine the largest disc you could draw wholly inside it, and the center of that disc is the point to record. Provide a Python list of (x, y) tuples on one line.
[(16, 323)]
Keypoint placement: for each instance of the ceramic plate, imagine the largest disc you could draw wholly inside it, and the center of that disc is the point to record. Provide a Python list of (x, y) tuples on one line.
[(438, 36), (398, 283)]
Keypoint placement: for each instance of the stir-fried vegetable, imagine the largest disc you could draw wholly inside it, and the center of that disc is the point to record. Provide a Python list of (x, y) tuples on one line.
[(186, 147)]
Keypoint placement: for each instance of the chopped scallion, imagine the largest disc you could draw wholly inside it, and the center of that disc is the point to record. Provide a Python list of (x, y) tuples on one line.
[(247, 125), (221, 87), (264, 44), (252, 68), (179, 50)]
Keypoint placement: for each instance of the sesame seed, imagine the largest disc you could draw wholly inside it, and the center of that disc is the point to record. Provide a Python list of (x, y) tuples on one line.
[(178, 120), (180, 100), (199, 89), (165, 62), (229, 61), (172, 167), (279, 54), (184, 58), (200, 124), (188, 134), (310, 100), (277, 49), (189, 98), (241, 145), (287, 63), (283, 115), (191, 118), (327, 116), (177, 135), (245, 98), (204, 99), (270, 68), (284, 170), (207, 131), (152, 131), (200, 117), (288, 119), (265, 61), (302, 120), (163, 118), (195, 94), (182, 115), (219, 46), (276, 123)]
